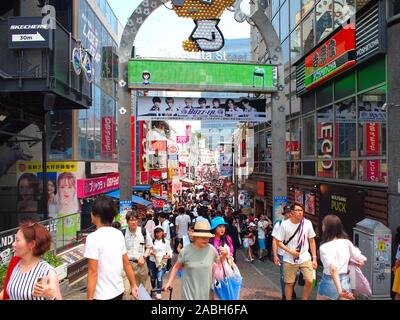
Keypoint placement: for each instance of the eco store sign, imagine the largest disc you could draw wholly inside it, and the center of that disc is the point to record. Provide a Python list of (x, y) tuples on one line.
[(334, 56)]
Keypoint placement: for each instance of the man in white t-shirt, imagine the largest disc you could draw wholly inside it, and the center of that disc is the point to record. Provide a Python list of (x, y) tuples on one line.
[(182, 223), (296, 235), (107, 256), (278, 252)]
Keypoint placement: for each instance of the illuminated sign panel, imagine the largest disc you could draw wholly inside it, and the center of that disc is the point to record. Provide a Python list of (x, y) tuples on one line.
[(335, 55), (201, 76)]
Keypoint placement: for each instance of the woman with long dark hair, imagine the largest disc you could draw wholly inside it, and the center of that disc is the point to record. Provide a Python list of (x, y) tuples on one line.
[(335, 253)]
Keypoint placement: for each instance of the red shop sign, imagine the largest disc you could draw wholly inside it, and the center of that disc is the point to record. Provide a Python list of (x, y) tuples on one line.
[(334, 56), (372, 137), (91, 187)]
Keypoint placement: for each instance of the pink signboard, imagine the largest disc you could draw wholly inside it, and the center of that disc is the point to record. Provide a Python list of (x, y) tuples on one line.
[(91, 187), (182, 139)]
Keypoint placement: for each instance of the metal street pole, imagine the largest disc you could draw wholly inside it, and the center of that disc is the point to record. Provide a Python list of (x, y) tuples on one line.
[(278, 122)]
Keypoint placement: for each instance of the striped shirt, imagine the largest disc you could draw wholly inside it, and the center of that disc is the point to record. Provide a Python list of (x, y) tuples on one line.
[(135, 243), (20, 286)]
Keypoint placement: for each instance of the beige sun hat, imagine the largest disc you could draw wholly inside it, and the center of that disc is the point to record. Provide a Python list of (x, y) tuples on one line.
[(202, 229)]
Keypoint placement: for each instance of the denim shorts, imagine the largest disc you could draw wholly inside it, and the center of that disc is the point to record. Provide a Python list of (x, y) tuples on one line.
[(327, 288)]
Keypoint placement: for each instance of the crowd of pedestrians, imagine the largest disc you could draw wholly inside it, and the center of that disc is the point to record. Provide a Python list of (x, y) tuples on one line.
[(196, 239)]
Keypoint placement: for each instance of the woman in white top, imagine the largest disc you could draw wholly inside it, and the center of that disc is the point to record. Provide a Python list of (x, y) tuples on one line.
[(335, 253), (159, 256)]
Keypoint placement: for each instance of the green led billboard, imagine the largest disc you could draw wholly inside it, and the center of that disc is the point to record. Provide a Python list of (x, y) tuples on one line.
[(201, 76)]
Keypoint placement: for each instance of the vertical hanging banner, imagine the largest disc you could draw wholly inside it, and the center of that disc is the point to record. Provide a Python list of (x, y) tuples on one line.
[(107, 135), (372, 137), (372, 170)]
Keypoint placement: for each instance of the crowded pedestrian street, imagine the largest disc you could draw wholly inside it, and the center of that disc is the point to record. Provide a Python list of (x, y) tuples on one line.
[(221, 151)]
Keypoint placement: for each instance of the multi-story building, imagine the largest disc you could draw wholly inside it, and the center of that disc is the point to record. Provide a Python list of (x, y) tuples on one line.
[(79, 127), (342, 88)]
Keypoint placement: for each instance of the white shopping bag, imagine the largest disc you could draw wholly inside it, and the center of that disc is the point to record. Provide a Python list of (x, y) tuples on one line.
[(143, 294)]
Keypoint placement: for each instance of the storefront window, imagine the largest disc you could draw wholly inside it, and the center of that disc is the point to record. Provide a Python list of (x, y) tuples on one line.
[(371, 75), (309, 168), (285, 51), (323, 24), (308, 102), (306, 6), (308, 136), (308, 32), (325, 138), (346, 170), (274, 6), (60, 136), (275, 24), (295, 102), (344, 9), (295, 139), (394, 7), (324, 96), (268, 146), (285, 20), (295, 44), (295, 13), (373, 170), (82, 134), (372, 123), (345, 86), (346, 128), (294, 168)]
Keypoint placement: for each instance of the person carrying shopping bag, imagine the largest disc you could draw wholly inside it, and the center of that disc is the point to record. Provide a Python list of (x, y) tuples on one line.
[(336, 253), (159, 255)]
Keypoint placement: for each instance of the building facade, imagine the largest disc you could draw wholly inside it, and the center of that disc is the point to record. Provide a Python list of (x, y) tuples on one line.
[(336, 60), (79, 129)]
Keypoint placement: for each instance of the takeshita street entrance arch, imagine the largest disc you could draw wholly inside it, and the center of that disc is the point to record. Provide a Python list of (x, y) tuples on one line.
[(272, 42)]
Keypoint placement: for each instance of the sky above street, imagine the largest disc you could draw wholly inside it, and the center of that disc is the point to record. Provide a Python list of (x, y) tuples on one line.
[(163, 32)]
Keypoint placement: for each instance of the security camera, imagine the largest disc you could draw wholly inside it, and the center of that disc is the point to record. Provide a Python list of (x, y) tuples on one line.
[(384, 107)]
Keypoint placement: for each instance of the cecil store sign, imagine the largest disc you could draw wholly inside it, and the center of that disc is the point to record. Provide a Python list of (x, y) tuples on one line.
[(335, 55)]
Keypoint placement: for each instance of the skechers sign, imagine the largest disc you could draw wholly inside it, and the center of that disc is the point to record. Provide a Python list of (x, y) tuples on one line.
[(334, 56), (28, 33)]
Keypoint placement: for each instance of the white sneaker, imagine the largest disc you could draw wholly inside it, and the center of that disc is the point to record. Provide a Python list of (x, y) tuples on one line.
[(158, 296)]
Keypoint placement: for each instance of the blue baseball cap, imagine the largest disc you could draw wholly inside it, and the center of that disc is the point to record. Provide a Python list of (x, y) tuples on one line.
[(216, 222)]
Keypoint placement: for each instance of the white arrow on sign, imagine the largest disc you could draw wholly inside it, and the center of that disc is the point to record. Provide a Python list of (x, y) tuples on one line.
[(27, 37)]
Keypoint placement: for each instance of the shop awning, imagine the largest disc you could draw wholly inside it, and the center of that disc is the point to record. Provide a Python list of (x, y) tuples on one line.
[(135, 199), (144, 187)]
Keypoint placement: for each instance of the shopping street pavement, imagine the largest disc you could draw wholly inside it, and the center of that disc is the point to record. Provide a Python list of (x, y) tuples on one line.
[(260, 282)]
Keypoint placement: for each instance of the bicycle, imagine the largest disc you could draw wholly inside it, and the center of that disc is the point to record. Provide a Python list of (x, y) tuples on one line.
[(81, 61)]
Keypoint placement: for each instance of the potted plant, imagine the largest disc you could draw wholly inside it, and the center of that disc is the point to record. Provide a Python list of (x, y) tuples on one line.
[(3, 271), (57, 263)]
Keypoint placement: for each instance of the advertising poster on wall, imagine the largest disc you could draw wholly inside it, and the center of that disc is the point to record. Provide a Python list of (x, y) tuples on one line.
[(124, 207), (279, 204), (211, 109), (309, 206), (62, 193), (299, 196)]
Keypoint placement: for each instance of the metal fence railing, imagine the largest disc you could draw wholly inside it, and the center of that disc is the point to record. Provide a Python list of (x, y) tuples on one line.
[(64, 231)]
